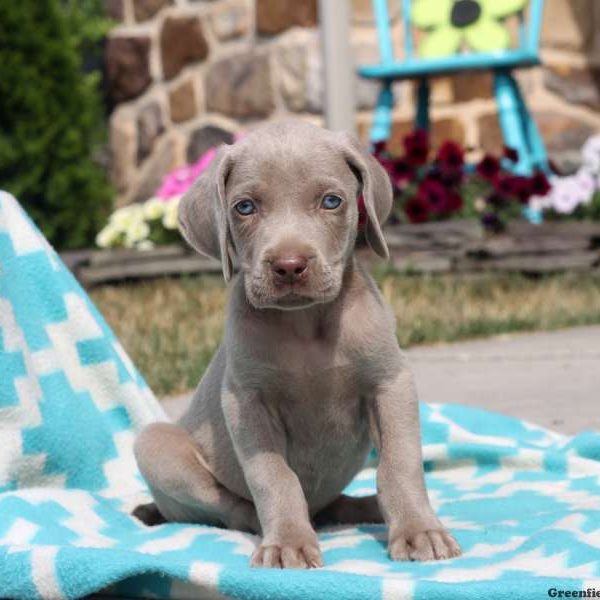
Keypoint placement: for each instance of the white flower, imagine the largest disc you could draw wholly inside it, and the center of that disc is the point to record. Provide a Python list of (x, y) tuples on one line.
[(124, 217), (479, 205), (136, 232), (153, 209), (107, 236), (569, 192), (169, 219)]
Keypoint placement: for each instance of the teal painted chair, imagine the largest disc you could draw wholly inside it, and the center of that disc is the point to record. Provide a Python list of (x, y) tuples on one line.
[(455, 36)]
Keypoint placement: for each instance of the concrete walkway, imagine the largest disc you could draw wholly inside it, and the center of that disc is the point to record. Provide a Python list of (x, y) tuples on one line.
[(552, 379)]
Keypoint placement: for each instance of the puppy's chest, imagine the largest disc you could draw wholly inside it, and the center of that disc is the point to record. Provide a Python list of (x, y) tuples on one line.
[(318, 406)]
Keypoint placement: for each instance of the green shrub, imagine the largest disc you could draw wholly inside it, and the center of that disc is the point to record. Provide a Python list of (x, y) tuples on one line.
[(51, 116)]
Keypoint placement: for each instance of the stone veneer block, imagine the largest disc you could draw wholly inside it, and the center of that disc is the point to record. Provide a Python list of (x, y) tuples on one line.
[(114, 9), (240, 86), (182, 42), (472, 85), (275, 16), (292, 59), (230, 20), (163, 160), (183, 104), (150, 124), (123, 150), (300, 72), (362, 11), (564, 135), (127, 61), (568, 24), (204, 138), (146, 9), (577, 85)]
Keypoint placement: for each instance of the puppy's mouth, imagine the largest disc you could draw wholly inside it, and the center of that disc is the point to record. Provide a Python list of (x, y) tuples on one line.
[(293, 300), (289, 297)]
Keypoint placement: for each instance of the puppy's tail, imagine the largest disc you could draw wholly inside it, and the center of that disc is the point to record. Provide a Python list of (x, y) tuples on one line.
[(149, 514)]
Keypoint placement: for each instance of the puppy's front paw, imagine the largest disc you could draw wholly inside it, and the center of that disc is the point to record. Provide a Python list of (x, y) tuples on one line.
[(428, 544), (290, 550)]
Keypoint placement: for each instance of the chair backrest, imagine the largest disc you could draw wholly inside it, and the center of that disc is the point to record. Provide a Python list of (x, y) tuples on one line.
[(528, 42)]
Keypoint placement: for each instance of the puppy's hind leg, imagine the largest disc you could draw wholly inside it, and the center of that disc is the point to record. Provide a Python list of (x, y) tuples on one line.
[(183, 488), (350, 510)]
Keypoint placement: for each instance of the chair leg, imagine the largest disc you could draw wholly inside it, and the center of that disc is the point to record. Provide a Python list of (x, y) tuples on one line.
[(539, 156), (382, 118), (511, 122), (422, 116)]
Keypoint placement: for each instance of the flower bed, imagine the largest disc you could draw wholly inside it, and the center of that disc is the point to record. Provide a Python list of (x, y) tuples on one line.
[(448, 215), (439, 185)]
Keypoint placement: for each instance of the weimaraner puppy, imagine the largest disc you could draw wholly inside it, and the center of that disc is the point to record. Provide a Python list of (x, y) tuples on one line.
[(309, 373)]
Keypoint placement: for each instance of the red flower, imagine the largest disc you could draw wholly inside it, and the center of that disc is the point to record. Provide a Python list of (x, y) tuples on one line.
[(416, 145), (515, 185), (417, 210), (362, 211), (454, 202), (492, 222), (488, 167), (435, 195), (539, 184), (385, 162), (451, 157), (400, 172), (379, 148), (448, 179), (511, 154)]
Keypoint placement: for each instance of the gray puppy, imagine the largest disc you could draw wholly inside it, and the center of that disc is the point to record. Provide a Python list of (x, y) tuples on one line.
[(309, 373)]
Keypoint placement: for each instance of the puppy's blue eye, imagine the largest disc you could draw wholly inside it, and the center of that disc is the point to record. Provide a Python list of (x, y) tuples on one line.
[(331, 202), (245, 207)]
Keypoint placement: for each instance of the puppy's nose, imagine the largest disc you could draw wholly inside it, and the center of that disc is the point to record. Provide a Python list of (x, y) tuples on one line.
[(289, 269)]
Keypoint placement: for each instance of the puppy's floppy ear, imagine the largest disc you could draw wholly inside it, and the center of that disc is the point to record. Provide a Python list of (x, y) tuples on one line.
[(376, 190), (203, 213)]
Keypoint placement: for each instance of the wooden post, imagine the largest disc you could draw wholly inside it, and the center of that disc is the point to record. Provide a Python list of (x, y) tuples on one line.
[(334, 17)]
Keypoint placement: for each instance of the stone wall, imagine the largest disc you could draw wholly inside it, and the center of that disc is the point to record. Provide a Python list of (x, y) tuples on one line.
[(183, 75)]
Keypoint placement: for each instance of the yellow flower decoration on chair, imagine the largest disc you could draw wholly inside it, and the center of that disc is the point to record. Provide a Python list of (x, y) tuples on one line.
[(474, 23)]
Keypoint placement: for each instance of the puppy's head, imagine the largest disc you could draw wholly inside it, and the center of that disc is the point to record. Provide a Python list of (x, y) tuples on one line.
[(284, 202)]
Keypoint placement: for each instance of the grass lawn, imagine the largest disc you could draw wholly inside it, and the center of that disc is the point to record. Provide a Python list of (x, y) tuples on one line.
[(171, 327)]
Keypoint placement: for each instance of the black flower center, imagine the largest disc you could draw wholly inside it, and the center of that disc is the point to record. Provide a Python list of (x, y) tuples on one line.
[(465, 12)]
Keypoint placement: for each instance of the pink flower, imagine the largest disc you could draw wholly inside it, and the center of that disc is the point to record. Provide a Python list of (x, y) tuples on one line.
[(179, 181)]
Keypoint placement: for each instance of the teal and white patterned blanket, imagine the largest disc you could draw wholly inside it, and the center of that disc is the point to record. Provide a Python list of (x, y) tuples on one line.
[(523, 502)]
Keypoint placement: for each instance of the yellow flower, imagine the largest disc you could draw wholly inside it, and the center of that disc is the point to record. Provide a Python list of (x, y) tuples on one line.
[(450, 24)]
